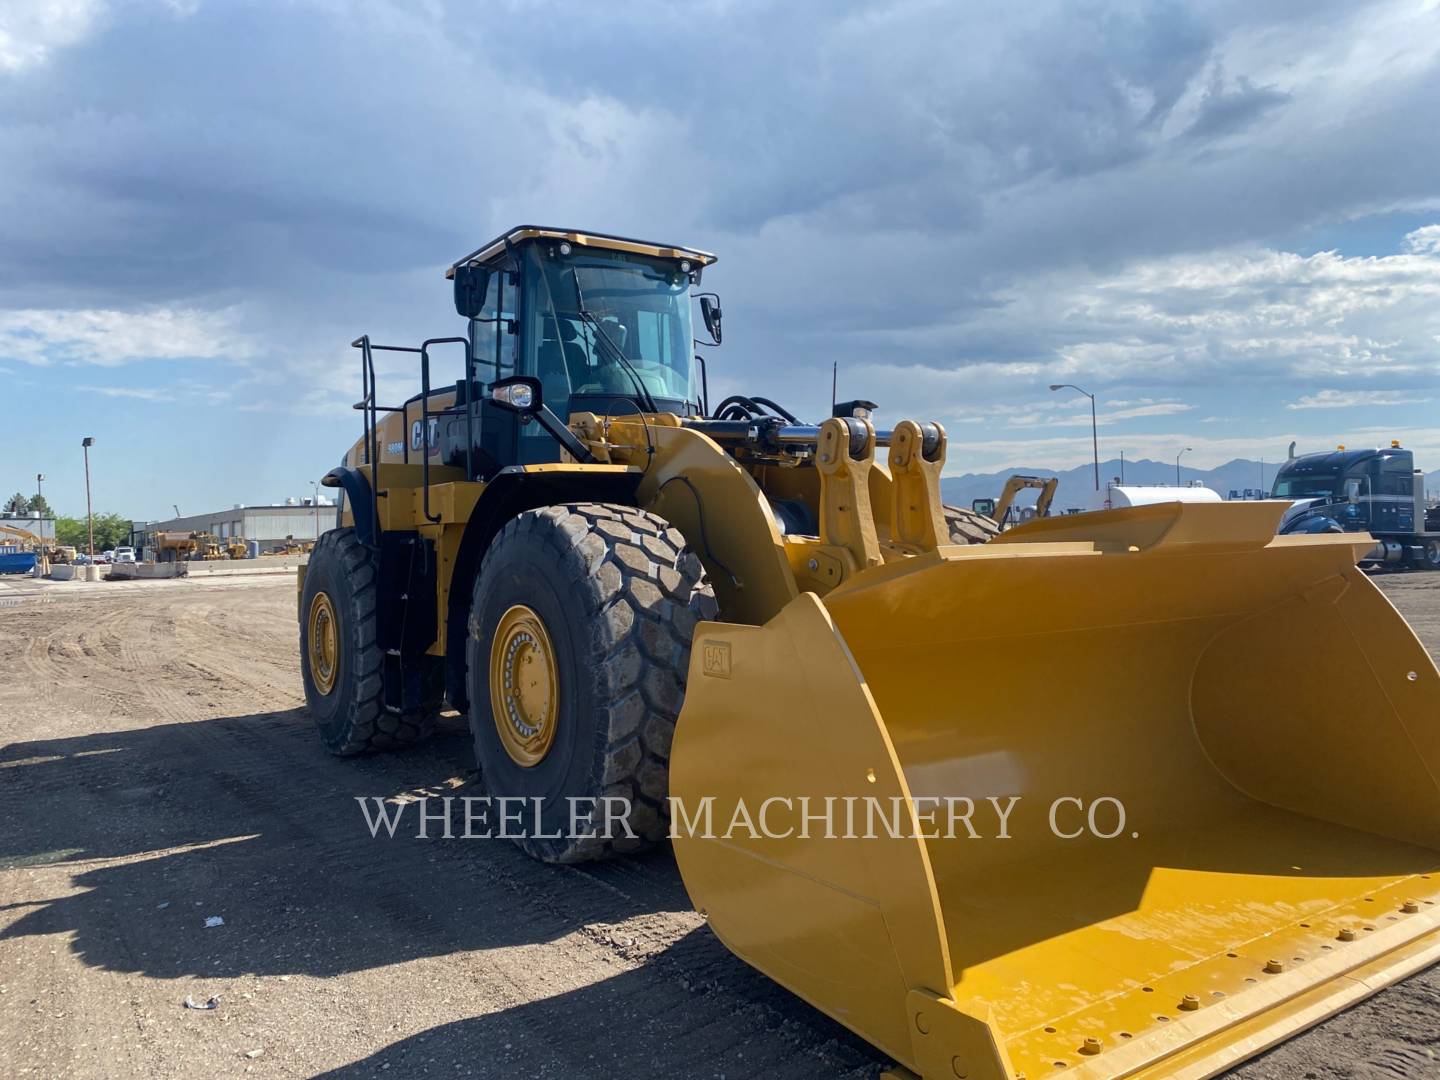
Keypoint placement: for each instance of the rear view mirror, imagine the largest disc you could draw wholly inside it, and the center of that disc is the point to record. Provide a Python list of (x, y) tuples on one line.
[(470, 285), (710, 312)]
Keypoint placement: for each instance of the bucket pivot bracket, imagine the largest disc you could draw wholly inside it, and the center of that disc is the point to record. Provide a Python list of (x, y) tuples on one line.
[(917, 456), (844, 456)]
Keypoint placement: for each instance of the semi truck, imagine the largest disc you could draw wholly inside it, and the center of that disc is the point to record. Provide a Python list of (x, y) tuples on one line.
[(1378, 491)]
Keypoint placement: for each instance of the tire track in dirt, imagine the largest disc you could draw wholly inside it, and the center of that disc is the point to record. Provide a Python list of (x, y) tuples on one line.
[(168, 722), (228, 753)]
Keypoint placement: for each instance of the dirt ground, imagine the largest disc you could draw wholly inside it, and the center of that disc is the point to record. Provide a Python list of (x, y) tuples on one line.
[(157, 770)]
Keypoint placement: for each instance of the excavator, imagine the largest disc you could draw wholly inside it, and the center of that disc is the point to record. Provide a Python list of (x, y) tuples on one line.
[(1001, 510), (55, 553), (714, 617), (25, 536)]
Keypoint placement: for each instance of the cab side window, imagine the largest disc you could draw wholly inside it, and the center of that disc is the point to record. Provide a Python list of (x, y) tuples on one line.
[(1395, 478), (494, 330)]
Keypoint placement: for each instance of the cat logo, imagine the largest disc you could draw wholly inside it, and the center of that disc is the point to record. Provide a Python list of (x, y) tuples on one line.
[(715, 657), (416, 437)]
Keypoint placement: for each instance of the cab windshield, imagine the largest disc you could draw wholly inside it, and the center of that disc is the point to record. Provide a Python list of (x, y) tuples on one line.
[(1305, 487), (612, 327)]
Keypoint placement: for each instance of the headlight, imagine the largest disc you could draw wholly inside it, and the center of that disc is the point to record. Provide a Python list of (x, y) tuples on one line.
[(519, 396)]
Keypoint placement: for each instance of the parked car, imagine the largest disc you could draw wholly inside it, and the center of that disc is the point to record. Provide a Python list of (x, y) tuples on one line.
[(106, 557), (124, 555)]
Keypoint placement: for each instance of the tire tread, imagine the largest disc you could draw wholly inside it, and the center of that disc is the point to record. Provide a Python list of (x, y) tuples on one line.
[(642, 591)]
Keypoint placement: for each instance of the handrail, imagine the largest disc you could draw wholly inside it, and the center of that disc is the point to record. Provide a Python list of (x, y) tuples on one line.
[(368, 404), (372, 439), (434, 519)]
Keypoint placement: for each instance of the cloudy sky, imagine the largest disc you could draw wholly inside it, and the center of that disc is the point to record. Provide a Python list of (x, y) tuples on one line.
[(1223, 219)]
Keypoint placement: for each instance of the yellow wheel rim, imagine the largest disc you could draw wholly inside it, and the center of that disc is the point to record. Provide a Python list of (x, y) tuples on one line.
[(324, 637), (524, 691)]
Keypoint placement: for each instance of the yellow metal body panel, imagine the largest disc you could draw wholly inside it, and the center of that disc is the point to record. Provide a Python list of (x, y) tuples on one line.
[(1268, 722), (453, 500), (725, 518)]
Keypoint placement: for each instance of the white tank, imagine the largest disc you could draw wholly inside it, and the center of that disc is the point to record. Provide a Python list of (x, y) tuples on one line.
[(1120, 495)]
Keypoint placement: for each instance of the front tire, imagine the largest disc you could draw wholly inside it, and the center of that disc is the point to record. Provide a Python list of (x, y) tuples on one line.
[(578, 649)]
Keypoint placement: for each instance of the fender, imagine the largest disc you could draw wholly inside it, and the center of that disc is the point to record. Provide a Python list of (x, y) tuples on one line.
[(1313, 523), (512, 491), (357, 494)]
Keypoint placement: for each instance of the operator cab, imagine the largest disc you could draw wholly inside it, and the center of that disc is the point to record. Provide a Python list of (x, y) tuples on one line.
[(1363, 489), (604, 322)]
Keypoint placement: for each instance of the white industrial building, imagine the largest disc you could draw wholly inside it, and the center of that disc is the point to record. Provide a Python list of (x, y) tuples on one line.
[(271, 525), (29, 522)]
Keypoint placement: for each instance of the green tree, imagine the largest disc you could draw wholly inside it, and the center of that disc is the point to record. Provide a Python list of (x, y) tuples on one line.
[(111, 530), (71, 531), (17, 504), (40, 503)]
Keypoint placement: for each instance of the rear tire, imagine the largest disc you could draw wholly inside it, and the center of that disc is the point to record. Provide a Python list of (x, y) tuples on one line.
[(968, 527), (600, 600), (1430, 557), (344, 684)]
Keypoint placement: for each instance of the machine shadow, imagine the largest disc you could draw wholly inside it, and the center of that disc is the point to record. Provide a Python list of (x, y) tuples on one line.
[(245, 817), (676, 1017)]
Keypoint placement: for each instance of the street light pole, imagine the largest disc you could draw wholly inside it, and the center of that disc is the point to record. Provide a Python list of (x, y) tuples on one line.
[(85, 444), (1177, 464), (1094, 426), (39, 480)]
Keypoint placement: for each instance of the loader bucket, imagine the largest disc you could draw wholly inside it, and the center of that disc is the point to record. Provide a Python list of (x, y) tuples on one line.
[(1266, 720)]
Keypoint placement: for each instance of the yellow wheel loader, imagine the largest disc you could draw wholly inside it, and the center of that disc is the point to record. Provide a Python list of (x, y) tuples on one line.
[(1216, 823)]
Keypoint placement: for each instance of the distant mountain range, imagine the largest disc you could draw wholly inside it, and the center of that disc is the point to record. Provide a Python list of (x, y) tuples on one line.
[(1077, 485)]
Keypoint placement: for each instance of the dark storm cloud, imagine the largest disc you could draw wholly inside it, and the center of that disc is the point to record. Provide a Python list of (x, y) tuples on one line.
[(870, 173)]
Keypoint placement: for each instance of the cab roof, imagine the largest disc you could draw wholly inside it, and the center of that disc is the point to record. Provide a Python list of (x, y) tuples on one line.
[(1330, 461), (521, 233)]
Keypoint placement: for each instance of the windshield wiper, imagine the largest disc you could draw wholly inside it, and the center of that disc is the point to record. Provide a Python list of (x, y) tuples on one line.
[(646, 399)]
